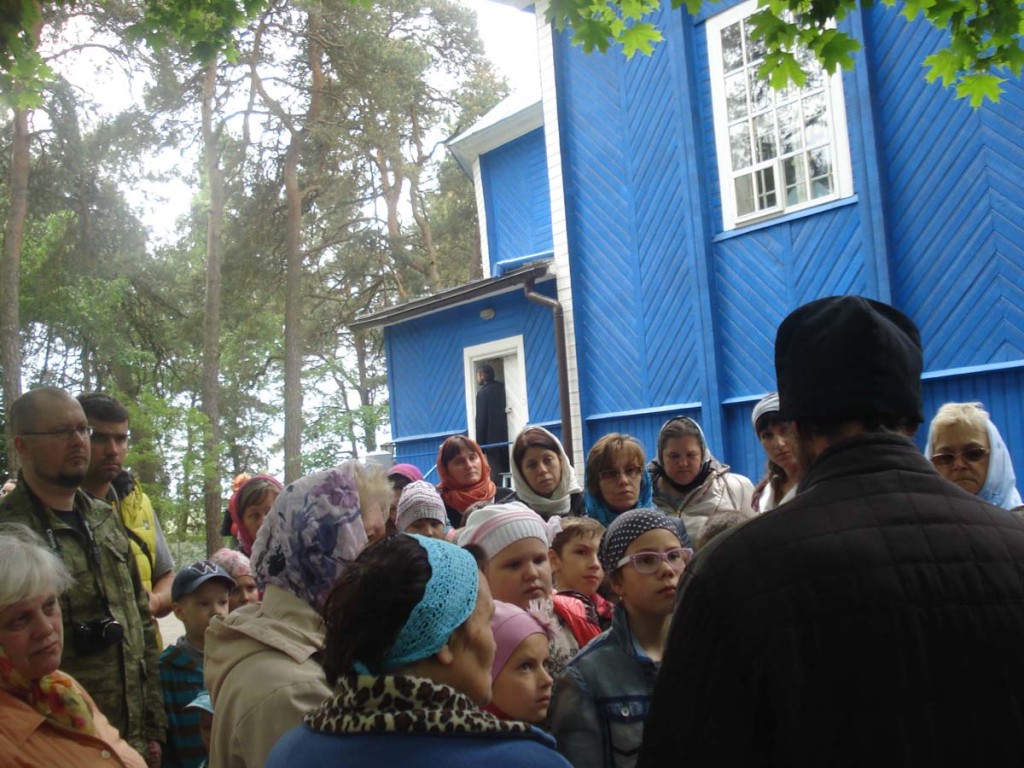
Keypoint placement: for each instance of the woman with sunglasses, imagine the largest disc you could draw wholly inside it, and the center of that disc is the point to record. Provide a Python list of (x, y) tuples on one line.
[(602, 700), (690, 483), (966, 448)]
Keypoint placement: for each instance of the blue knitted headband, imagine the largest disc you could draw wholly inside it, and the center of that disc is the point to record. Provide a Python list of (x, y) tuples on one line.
[(448, 600)]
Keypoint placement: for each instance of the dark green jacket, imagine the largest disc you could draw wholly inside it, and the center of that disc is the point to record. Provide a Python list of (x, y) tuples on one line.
[(123, 679)]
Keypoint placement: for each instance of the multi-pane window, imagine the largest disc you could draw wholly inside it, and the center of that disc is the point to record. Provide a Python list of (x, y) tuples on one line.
[(778, 151)]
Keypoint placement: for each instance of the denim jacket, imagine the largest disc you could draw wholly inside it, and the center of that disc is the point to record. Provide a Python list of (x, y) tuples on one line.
[(601, 701)]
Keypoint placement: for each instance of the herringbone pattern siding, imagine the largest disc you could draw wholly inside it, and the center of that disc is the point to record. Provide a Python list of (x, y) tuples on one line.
[(518, 199), (955, 204), (632, 269)]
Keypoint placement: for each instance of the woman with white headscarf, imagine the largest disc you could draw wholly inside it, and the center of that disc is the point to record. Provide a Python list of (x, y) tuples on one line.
[(262, 662), (542, 476), (966, 448)]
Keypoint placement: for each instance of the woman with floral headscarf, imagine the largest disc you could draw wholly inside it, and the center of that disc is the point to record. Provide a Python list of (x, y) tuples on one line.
[(262, 662)]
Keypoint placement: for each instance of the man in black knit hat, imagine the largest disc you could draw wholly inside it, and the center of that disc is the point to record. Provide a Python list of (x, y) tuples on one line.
[(876, 619)]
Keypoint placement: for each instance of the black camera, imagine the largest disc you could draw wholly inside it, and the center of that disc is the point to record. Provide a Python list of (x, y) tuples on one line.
[(94, 636)]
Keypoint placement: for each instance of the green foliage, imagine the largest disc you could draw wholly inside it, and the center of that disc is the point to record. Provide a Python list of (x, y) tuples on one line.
[(206, 27), (984, 36), (23, 73), (596, 24)]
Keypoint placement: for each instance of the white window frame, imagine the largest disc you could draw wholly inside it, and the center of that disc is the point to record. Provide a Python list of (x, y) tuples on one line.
[(838, 140)]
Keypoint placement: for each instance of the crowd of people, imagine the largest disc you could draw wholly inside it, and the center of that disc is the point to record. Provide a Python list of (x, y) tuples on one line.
[(860, 604)]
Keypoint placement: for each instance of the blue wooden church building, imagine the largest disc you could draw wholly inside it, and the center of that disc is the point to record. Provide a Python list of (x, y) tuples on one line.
[(647, 224)]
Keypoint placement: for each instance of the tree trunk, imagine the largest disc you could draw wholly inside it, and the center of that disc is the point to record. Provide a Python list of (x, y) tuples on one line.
[(294, 338), (369, 424), (10, 269), (211, 322)]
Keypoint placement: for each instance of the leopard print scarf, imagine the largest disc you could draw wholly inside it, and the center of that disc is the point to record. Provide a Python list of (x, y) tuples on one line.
[(401, 704)]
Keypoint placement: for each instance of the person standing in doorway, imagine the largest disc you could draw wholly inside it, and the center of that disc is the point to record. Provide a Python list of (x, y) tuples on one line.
[(491, 421)]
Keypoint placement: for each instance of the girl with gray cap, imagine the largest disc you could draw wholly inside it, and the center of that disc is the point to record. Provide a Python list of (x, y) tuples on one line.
[(602, 700), (783, 473)]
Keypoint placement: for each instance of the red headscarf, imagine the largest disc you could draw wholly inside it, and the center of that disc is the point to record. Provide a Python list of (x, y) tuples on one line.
[(236, 514), (459, 497)]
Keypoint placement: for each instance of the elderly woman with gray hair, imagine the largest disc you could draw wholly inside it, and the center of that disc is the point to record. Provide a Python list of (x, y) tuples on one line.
[(46, 717), (966, 448)]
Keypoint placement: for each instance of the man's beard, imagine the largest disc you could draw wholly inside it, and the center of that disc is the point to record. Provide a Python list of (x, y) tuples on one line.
[(69, 480)]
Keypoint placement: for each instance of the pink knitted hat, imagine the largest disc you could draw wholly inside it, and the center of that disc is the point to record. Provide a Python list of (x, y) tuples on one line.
[(511, 625)]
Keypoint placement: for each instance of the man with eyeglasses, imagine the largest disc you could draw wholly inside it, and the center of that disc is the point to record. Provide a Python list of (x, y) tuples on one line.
[(110, 646), (877, 619), (107, 479)]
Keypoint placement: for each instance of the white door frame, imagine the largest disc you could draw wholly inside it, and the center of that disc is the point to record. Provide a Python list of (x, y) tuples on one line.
[(511, 346)]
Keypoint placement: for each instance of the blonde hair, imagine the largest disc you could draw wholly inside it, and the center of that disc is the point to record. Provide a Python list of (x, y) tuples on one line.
[(27, 566), (955, 414), (372, 484)]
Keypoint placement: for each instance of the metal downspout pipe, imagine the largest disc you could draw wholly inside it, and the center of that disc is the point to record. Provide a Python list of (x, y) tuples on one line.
[(563, 360)]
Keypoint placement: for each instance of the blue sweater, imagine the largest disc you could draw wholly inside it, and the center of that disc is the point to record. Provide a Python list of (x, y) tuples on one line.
[(302, 746)]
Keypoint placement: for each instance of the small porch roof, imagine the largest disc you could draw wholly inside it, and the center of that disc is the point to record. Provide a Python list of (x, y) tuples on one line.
[(513, 117), (463, 294)]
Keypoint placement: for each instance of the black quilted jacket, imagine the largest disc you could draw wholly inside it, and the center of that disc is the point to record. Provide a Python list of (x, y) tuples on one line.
[(875, 620)]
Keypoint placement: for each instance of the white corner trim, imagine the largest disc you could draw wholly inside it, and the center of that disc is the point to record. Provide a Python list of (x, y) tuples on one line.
[(556, 188), (481, 214)]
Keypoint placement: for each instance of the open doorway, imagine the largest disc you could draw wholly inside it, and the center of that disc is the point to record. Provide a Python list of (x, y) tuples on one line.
[(505, 356)]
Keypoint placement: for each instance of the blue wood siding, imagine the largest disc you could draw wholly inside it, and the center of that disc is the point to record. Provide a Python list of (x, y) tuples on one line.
[(675, 316), (955, 186), (426, 378), (934, 227), (517, 198), (634, 292)]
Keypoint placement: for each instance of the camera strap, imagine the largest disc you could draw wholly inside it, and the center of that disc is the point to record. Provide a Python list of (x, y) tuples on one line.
[(93, 550)]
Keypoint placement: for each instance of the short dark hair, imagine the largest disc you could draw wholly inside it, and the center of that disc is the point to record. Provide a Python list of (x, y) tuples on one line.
[(102, 407), (371, 602), (575, 528), (26, 407), (487, 370)]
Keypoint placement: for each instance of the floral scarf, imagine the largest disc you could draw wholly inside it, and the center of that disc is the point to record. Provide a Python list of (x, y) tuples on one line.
[(244, 539), (57, 697), (462, 498), (313, 528), (560, 500), (403, 704)]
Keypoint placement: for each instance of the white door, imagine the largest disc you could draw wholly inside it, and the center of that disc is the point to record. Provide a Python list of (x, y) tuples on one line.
[(506, 356)]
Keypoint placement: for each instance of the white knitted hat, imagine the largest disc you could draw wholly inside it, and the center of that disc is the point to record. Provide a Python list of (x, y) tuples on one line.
[(419, 500), (495, 527)]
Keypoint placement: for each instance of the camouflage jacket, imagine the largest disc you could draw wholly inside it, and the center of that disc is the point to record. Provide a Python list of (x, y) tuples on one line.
[(123, 679)]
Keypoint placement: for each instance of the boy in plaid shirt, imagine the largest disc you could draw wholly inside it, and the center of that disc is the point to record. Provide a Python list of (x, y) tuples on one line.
[(200, 592)]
